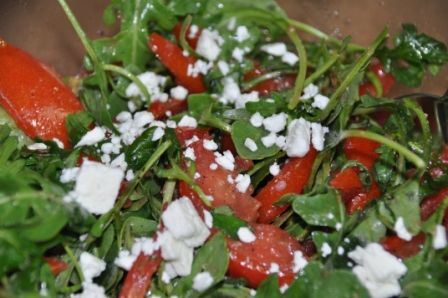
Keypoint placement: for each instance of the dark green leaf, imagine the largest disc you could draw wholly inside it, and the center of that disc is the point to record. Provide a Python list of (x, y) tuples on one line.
[(229, 224), (78, 124), (269, 288), (141, 149)]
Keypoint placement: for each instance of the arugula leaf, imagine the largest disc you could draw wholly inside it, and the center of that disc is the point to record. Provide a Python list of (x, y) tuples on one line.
[(269, 288), (78, 125), (323, 208), (370, 229), (141, 149), (213, 258), (241, 130), (384, 167), (229, 224), (419, 51)]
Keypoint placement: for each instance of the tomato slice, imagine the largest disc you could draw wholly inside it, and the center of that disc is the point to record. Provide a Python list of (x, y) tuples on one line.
[(253, 261), (56, 265), (215, 182), (34, 96), (159, 109), (173, 58), (360, 200), (386, 79), (430, 204), (362, 150), (138, 279), (292, 179), (401, 248), (268, 86), (347, 182), (192, 40)]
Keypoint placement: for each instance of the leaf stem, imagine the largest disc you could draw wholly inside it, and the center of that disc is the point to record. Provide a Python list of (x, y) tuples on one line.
[(409, 155), (74, 261), (264, 77), (104, 221), (124, 72), (322, 69), (300, 80), (316, 32), (359, 65)]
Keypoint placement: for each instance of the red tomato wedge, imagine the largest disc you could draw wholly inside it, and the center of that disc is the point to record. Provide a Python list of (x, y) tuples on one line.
[(430, 204), (253, 261), (386, 79), (192, 39), (34, 96), (56, 265), (138, 279), (291, 179), (402, 248), (173, 58), (268, 86), (362, 150), (215, 182), (359, 201), (159, 109)]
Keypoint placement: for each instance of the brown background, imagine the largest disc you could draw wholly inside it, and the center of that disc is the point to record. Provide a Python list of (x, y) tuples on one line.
[(40, 27)]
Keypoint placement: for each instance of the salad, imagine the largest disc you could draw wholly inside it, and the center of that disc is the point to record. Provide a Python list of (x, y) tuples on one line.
[(209, 151)]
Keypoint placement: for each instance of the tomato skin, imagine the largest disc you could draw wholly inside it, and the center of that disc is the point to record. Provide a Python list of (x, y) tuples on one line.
[(401, 248), (347, 182), (159, 109), (172, 57), (386, 79), (192, 41), (361, 150), (359, 201), (34, 96), (56, 265), (138, 279), (252, 261), (292, 179), (214, 182), (430, 204), (268, 86)]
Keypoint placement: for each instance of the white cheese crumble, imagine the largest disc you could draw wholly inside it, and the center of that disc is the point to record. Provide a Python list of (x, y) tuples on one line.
[(309, 91), (223, 67), (325, 249), (213, 166), (92, 137), (232, 94), (225, 160), (340, 250), (277, 49), (179, 93), (97, 187), (250, 144), (158, 134), (37, 146), (189, 153), (290, 58), (320, 101), (246, 235), (238, 54), (298, 138), (193, 31), (90, 290), (199, 67), (400, 229), (378, 270), (154, 85), (439, 241), (202, 281), (269, 140), (208, 45), (299, 261), (275, 123), (256, 120), (208, 219), (274, 169), (241, 33), (274, 268), (318, 135), (210, 145), (187, 121), (242, 182), (125, 260), (69, 175), (91, 266)]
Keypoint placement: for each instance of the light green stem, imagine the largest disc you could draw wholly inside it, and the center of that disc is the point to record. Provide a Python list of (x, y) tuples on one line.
[(300, 80), (130, 76), (409, 155)]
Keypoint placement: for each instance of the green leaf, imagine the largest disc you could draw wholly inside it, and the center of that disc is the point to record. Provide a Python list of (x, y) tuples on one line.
[(96, 105), (370, 229), (405, 203), (141, 149), (320, 209), (199, 103), (241, 130), (78, 124), (213, 258), (269, 288), (135, 226), (229, 224), (384, 167)]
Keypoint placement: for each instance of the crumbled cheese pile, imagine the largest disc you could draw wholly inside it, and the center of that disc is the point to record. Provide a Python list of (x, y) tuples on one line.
[(91, 267), (378, 270)]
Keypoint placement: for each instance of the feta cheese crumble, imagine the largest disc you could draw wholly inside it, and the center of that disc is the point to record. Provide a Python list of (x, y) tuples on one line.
[(202, 281), (256, 120), (92, 137), (250, 144), (97, 187), (91, 266), (246, 235), (401, 230), (154, 85), (277, 49), (378, 270), (242, 182), (309, 91), (225, 160), (275, 123), (37, 146), (208, 45), (299, 261), (210, 145), (325, 250), (187, 121), (274, 169), (320, 101), (439, 241), (179, 93)]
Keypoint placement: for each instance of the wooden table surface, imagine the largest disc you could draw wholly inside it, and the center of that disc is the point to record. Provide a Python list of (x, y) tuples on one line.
[(40, 27)]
